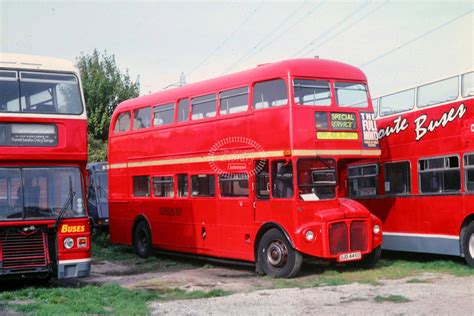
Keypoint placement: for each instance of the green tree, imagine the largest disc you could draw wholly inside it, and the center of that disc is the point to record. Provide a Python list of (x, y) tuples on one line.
[(105, 86)]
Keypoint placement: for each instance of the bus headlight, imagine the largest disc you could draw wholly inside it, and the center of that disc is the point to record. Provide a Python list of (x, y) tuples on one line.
[(68, 243), (376, 229), (309, 235)]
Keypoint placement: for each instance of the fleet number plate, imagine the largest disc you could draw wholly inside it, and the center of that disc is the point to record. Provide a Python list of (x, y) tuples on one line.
[(350, 256)]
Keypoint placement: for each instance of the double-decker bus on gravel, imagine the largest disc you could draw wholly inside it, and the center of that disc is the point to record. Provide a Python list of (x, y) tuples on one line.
[(422, 188), (44, 228), (249, 166)]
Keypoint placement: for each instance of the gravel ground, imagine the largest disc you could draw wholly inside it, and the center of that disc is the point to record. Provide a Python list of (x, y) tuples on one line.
[(433, 294)]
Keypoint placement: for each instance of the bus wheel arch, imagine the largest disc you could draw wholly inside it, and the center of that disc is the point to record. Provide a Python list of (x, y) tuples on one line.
[(466, 240), (275, 254), (141, 237)]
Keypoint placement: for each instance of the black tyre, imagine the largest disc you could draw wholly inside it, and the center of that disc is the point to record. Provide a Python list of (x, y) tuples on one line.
[(142, 239), (276, 257), (370, 260), (468, 244)]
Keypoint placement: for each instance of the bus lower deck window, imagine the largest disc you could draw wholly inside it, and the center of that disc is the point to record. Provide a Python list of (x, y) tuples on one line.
[(363, 180), (234, 185), (163, 186), (203, 185), (469, 169), (282, 174), (182, 185), (439, 175), (263, 179), (397, 178), (141, 186)]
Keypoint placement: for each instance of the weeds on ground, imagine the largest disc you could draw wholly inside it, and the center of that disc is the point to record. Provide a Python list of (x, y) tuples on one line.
[(393, 266), (106, 299), (391, 298), (103, 250)]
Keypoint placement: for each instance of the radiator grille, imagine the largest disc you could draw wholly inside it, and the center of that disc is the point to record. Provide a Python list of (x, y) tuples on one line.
[(338, 241), (358, 236), (24, 251)]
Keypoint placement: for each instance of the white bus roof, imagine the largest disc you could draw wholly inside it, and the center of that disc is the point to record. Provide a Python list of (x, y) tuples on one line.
[(31, 62)]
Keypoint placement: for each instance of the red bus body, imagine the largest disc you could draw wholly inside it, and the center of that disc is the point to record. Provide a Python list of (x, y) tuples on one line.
[(424, 188), (225, 142), (43, 156)]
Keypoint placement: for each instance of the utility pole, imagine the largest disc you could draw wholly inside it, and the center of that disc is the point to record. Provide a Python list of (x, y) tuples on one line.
[(180, 83)]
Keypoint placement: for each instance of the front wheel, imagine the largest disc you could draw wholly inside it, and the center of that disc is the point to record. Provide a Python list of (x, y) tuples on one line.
[(468, 244), (276, 257), (142, 239), (370, 260)]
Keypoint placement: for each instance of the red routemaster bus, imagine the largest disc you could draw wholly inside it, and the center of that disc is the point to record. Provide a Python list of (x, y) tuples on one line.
[(44, 228), (423, 186), (249, 166)]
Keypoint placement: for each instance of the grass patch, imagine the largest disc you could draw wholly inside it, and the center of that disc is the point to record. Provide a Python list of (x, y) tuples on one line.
[(391, 298), (106, 299), (103, 250), (393, 266), (416, 281)]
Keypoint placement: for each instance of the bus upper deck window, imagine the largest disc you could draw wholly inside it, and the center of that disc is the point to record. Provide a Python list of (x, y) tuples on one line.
[(398, 102), (9, 91), (312, 92), (234, 101), (50, 93), (163, 114), (438, 92), (269, 94), (122, 124), (183, 110), (142, 118), (467, 84), (351, 94), (203, 107)]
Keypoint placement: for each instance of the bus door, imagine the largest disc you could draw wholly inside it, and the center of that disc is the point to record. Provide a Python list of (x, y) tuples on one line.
[(236, 213), (204, 212), (262, 203)]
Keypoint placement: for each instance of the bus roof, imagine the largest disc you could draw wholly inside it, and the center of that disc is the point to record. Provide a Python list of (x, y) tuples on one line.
[(317, 68), (31, 62)]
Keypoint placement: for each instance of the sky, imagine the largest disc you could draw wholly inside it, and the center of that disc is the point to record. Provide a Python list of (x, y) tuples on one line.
[(398, 44)]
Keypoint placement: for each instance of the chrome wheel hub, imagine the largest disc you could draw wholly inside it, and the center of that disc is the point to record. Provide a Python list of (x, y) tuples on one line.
[(277, 253)]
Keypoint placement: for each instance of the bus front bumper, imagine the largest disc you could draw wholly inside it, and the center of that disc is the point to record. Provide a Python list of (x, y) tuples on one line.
[(74, 268)]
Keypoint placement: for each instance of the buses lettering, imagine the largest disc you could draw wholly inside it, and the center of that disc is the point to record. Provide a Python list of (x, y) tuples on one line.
[(73, 229), (434, 124)]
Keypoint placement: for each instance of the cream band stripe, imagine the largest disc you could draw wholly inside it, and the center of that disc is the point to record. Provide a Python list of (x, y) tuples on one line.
[(250, 155)]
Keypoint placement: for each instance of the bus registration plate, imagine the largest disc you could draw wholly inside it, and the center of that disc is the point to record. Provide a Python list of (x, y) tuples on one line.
[(350, 256)]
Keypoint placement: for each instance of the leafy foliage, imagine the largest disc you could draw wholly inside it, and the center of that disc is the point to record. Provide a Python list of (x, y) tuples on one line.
[(97, 149), (105, 86)]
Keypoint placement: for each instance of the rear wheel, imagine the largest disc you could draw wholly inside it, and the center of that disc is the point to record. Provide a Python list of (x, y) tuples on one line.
[(468, 244), (276, 257), (142, 239)]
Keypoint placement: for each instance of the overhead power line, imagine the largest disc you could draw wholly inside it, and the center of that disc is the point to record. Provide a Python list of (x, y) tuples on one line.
[(250, 51), (362, 17), (310, 12), (417, 38), (244, 21), (330, 29)]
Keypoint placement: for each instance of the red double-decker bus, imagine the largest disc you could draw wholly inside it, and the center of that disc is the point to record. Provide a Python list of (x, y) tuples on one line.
[(249, 166), (423, 186), (44, 228)]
